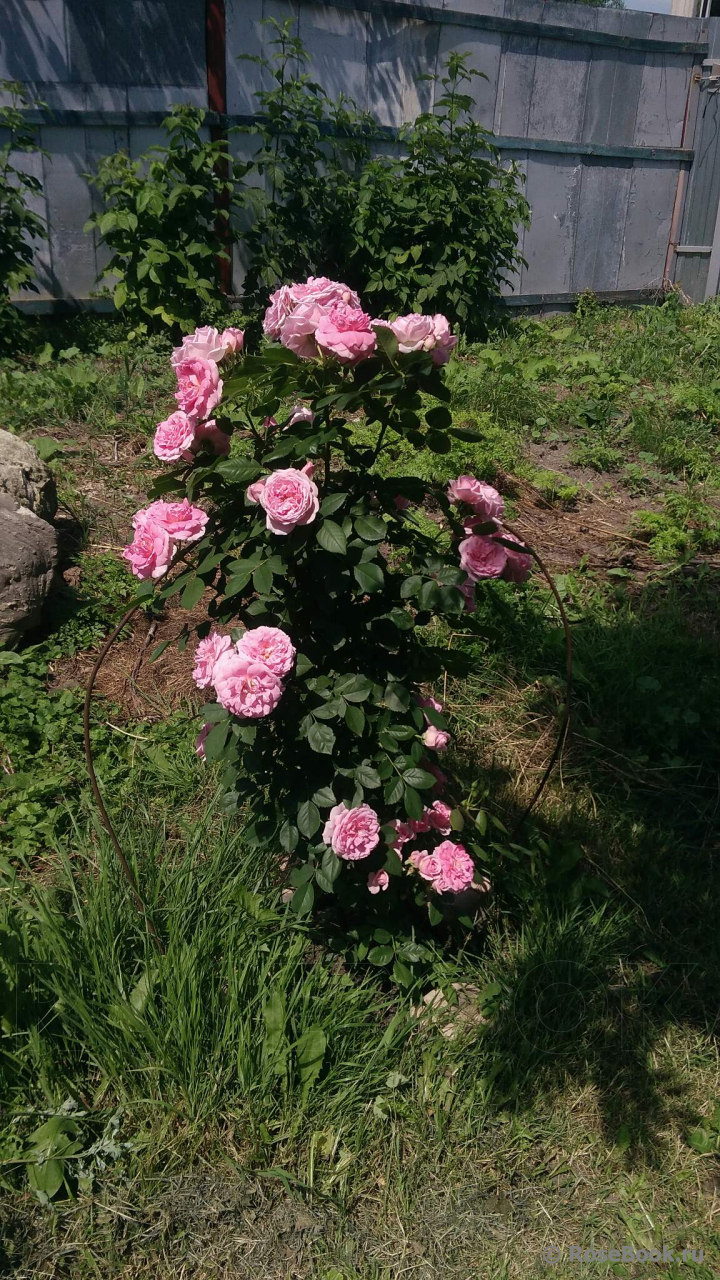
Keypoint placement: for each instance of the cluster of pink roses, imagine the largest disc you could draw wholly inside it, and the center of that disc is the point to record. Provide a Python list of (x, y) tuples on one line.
[(324, 318), (483, 555), (353, 834), (199, 391), (158, 529), (248, 675), (449, 867)]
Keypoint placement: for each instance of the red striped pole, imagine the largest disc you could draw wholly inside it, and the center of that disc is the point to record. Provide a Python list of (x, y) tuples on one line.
[(215, 47)]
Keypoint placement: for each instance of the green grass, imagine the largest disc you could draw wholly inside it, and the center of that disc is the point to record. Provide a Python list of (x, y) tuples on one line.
[(250, 1102)]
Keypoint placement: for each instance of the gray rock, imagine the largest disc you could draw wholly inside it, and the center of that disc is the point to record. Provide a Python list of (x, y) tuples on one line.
[(28, 563), (25, 478)]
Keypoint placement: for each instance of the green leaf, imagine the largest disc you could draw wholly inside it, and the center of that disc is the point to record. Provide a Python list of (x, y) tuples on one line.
[(438, 442), (440, 418), (353, 688), (464, 433), (402, 619), (355, 720), (413, 804), (262, 579), (47, 1178), (309, 1054), (192, 593), (402, 974), (369, 576), (367, 776), (238, 470), (434, 915), (420, 779), (288, 836), (216, 739), (370, 528), (308, 818), (331, 503), (387, 341), (410, 587), (213, 712), (394, 790), (331, 538), (331, 866), (303, 899), (381, 955), (429, 594), (321, 738), (300, 875), (159, 649), (396, 697), (325, 798)]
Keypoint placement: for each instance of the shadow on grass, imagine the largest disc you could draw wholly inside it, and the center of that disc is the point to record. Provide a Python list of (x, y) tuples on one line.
[(619, 947)]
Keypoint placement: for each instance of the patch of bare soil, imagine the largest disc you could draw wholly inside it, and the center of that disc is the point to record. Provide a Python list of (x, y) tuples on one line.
[(144, 690), (596, 528)]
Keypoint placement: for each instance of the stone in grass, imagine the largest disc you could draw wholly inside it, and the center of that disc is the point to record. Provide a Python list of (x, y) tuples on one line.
[(456, 1017), (25, 478), (28, 565)]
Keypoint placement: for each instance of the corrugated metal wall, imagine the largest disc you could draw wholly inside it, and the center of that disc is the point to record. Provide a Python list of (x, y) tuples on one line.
[(597, 107)]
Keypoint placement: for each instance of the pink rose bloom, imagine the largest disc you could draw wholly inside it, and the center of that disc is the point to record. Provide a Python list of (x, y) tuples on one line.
[(247, 688), (485, 500), (200, 741), (438, 817), (445, 341), (203, 344), (403, 834), (254, 492), (297, 332), (319, 290), (468, 590), (436, 739), (269, 645), (519, 563), (482, 557), (183, 521), (151, 550), (206, 655), (352, 833), (378, 881), (345, 333), (174, 438), (199, 387), (401, 503), (231, 341), (209, 433), (413, 332), (457, 868), (428, 864), (281, 304), (288, 498), (325, 293), (300, 413)]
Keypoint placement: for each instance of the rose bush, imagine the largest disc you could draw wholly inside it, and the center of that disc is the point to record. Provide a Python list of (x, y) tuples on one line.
[(321, 584)]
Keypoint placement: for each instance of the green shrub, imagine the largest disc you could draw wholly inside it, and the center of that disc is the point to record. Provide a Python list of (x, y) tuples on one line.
[(20, 226), (436, 228), (160, 223), (311, 155)]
